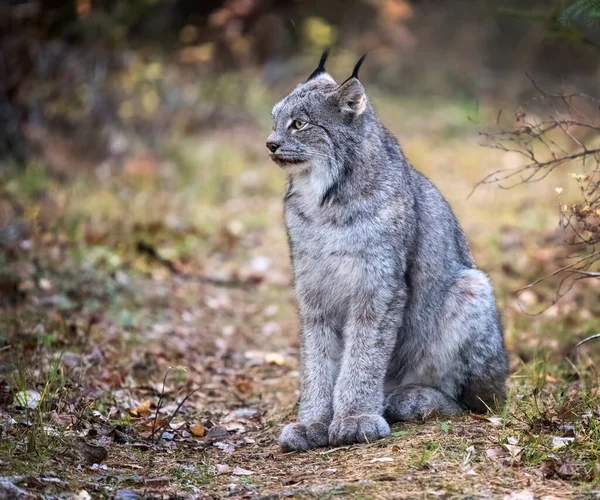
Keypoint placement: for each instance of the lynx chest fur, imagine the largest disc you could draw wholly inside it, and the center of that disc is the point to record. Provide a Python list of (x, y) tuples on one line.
[(332, 242)]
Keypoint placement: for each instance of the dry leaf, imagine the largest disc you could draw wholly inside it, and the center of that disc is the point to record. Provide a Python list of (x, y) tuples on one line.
[(382, 459), (225, 447), (223, 469), (238, 471), (235, 427), (243, 385), (28, 399), (142, 410), (216, 433), (566, 470), (497, 421), (90, 453), (198, 429), (513, 450), (496, 453), (559, 442)]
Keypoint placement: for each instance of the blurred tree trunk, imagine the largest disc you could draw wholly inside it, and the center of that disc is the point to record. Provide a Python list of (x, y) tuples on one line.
[(24, 25)]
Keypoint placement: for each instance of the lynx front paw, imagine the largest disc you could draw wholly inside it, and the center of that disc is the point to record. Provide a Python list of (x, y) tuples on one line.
[(357, 429), (300, 437)]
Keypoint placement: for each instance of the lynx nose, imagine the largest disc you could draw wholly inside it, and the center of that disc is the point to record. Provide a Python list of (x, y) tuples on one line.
[(272, 146)]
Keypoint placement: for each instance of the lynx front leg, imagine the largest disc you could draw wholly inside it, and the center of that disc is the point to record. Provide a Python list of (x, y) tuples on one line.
[(369, 338), (320, 360)]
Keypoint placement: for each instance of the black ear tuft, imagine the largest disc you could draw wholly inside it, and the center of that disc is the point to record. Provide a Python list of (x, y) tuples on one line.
[(355, 70), (321, 68), (357, 67)]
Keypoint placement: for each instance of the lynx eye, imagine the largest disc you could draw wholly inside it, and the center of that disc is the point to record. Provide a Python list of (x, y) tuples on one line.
[(298, 124)]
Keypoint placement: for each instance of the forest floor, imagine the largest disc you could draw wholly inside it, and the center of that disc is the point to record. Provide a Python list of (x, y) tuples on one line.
[(149, 339)]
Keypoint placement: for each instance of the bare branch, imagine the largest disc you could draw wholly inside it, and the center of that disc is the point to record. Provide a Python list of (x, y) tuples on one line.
[(596, 336)]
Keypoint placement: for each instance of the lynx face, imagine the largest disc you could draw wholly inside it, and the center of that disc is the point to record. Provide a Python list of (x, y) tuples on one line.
[(301, 123), (314, 120)]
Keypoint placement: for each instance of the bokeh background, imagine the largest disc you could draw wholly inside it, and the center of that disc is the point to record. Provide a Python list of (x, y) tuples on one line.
[(141, 219)]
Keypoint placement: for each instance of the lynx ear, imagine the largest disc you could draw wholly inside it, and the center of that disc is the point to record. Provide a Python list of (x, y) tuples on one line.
[(350, 96)]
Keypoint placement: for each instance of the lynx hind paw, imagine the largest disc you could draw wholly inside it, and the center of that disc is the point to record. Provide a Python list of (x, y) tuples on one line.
[(300, 437), (358, 429)]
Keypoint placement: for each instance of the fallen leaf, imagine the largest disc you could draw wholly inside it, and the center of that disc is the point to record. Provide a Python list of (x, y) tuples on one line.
[(223, 469), (92, 454), (142, 410), (243, 385), (496, 453), (244, 413), (497, 421), (235, 427), (198, 429), (225, 447), (559, 442), (514, 451), (382, 459), (28, 399), (238, 471), (566, 470), (216, 433)]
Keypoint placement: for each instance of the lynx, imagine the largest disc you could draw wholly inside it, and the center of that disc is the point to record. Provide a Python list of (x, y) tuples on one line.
[(397, 323)]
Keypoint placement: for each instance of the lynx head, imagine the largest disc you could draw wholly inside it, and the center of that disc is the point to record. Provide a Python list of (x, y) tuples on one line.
[(316, 119)]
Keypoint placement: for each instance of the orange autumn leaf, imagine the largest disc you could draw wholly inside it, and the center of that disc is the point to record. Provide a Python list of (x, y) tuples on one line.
[(198, 430)]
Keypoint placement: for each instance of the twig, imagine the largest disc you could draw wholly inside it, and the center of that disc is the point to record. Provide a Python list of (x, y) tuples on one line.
[(561, 96), (558, 271), (158, 406), (327, 452), (168, 422), (596, 336), (586, 274)]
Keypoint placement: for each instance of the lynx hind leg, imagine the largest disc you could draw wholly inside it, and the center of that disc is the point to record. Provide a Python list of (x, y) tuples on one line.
[(418, 402), (471, 318)]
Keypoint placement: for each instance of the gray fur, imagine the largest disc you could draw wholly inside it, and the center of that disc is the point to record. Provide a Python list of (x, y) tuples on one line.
[(395, 318)]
